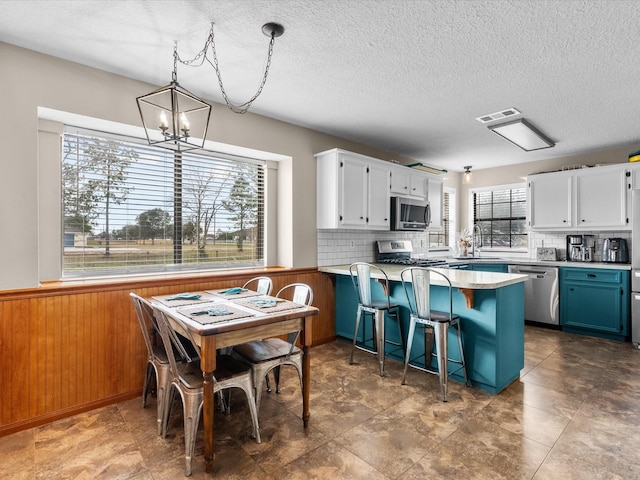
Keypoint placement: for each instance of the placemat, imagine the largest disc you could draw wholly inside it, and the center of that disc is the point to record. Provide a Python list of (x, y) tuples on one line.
[(203, 297), (232, 296), (281, 305), (206, 319)]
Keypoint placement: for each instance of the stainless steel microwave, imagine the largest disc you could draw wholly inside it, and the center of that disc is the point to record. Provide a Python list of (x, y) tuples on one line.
[(409, 214)]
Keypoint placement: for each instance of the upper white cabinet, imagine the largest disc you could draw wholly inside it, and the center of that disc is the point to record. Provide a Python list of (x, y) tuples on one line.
[(353, 191), (586, 199), (549, 201), (602, 199), (406, 182)]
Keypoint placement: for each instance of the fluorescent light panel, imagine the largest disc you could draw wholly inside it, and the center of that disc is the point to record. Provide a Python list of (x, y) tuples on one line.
[(523, 135)]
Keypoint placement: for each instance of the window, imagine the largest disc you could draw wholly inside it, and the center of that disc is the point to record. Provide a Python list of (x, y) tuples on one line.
[(441, 239), (132, 208), (501, 214)]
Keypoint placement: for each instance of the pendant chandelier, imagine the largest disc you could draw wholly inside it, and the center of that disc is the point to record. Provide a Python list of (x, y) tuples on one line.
[(176, 119)]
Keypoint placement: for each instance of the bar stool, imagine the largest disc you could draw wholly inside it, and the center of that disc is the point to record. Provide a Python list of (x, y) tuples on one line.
[(361, 277), (436, 324)]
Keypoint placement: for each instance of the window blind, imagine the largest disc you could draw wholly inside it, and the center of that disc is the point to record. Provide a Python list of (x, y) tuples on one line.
[(441, 238), (133, 208), (501, 214)]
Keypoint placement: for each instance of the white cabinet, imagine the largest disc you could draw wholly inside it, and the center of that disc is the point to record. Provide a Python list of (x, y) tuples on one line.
[(411, 183), (601, 199), (406, 182), (378, 198), (353, 191), (586, 199), (549, 201)]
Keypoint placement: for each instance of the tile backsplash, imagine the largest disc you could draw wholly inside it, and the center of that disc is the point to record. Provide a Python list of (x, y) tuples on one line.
[(558, 241), (337, 247)]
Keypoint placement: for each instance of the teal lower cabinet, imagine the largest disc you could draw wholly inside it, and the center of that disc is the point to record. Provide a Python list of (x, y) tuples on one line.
[(492, 330), (595, 302), (490, 267)]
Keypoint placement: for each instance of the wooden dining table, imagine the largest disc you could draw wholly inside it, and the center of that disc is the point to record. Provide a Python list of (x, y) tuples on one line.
[(247, 321)]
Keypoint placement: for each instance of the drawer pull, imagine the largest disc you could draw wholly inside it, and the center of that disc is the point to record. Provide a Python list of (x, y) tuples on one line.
[(591, 275)]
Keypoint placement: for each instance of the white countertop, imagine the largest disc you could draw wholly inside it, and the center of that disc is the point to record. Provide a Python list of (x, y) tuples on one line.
[(532, 261), (459, 278)]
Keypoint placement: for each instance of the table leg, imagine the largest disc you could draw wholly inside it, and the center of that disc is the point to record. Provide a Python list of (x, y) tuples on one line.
[(208, 366), (306, 370)]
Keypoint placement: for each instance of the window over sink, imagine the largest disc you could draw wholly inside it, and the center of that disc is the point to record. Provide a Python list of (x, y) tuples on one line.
[(501, 213)]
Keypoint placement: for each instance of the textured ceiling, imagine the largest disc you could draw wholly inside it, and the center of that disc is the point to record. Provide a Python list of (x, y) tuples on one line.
[(407, 76)]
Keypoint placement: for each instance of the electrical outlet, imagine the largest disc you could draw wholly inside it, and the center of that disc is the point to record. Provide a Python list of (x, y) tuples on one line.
[(353, 244)]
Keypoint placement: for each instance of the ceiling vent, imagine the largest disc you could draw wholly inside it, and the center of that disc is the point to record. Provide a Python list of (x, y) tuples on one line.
[(509, 112)]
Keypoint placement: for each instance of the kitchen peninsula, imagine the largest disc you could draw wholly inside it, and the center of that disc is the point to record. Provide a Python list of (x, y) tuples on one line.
[(491, 307)]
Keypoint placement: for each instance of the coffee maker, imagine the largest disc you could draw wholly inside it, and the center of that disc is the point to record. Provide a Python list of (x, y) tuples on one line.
[(580, 248), (588, 246)]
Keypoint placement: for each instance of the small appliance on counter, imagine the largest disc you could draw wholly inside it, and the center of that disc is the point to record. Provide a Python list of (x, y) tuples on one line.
[(615, 250), (580, 248), (546, 254)]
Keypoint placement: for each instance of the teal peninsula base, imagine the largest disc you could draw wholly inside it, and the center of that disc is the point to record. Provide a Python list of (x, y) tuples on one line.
[(492, 318)]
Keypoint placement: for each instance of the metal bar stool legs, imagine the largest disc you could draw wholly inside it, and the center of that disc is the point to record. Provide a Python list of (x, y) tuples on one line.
[(379, 336), (378, 320), (437, 332), (440, 331)]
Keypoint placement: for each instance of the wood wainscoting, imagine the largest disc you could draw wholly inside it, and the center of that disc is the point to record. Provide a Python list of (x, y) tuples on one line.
[(67, 348)]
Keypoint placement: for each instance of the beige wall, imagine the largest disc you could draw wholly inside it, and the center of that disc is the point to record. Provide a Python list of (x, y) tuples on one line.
[(30, 80)]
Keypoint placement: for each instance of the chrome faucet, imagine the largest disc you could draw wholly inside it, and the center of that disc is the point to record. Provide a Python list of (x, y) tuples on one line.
[(476, 244)]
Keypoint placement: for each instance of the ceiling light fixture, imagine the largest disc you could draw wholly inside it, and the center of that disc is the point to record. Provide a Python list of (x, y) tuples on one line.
[(173, 117), (176, 119), (522, 134), (466, 177)]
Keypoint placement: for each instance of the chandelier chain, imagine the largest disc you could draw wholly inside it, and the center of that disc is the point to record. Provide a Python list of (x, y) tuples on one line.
[(200, 57)]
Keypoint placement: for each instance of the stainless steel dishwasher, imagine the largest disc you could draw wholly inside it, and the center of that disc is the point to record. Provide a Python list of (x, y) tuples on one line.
[(541, 298)]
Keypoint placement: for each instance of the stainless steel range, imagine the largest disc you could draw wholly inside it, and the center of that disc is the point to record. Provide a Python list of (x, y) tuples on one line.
[(398, 252)]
